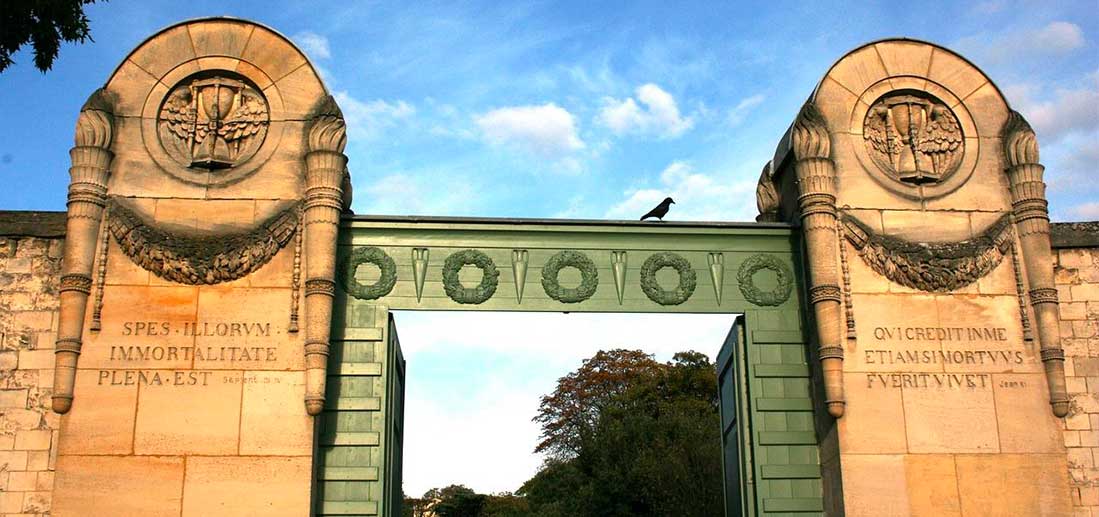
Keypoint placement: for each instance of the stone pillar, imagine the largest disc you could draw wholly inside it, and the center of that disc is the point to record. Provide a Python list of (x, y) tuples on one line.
[(326, 169), (1029, 206), (816, 184), (91, 161)]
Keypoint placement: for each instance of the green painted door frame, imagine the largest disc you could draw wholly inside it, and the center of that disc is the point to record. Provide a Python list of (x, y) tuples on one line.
[(404, 263)]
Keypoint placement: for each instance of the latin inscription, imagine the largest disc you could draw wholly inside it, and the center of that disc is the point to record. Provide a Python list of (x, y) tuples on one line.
[(982, 357), (153, 331), (992, 334), (993, 352)]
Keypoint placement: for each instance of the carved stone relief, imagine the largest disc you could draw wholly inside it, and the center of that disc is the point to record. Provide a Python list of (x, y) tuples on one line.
[(589, 277), (913, 137), (688, 280), (369, 255), (938, 267), (784, 280), (212, 122), (199, 259), (490, 278)]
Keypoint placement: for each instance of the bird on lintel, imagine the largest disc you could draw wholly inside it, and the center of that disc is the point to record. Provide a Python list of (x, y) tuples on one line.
[(660, 211)]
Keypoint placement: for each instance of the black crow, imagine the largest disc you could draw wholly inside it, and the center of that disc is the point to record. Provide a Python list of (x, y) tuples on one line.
[(660, 211)]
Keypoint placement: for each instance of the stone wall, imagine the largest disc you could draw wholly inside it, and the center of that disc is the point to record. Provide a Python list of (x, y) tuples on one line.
[(1077, 275), (29, 272)]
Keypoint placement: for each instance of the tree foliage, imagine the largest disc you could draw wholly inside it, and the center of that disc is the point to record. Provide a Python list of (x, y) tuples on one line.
[(571, 412), (44, 24), (652, 448)]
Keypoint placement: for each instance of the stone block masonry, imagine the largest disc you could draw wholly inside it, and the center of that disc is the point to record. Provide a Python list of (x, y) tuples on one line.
[(30, 271), (1076, 272)]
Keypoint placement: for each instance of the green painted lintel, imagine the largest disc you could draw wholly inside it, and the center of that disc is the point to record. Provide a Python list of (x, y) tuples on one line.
[(357, 334), (802, 504), (368, 439), (780, 370), (349, 474), (356, 404), (349, 508), (355, 369), (761, 337), (787, 438), (791, 471), (777, 404)]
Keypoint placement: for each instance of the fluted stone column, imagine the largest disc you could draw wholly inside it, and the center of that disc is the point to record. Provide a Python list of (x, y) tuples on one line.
[(91, 161), (1031, 210), (816, 183), (325, 170)]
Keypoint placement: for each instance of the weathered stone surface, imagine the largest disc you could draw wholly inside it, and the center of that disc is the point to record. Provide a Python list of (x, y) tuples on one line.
[(118, 485), (273, 486)]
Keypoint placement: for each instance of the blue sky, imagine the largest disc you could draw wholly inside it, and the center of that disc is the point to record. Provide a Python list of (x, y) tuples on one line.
[(570, 109)]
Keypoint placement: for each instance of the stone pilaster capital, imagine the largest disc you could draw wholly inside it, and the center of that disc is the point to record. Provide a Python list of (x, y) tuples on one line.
[(328, 131), (1020, 142), (809, 136), (95, 125)]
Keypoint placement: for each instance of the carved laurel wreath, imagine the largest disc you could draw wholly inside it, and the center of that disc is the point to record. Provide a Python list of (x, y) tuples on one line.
[(471, 295), (687, 278), (937, 267), (774, 297), (589, 277), (369, 255), (200, 259)]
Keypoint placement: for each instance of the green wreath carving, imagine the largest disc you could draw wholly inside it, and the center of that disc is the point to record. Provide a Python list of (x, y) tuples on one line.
[(369, 255), (589, 277), (687, 278), (753, 294), (472, 295)]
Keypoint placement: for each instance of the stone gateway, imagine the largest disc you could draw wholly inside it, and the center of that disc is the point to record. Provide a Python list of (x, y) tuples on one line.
[(198, 333)]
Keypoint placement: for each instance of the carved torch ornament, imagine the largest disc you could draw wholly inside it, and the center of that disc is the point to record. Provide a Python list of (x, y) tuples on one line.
[(816, 184), (1031, 213), (91, 161), (325, 176)]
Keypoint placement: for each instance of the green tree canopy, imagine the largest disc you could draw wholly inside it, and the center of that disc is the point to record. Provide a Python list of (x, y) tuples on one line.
[(42, 23)]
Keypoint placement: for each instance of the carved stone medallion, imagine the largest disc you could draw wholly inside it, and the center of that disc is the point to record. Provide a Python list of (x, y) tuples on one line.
[(913, 137), (213, 121)]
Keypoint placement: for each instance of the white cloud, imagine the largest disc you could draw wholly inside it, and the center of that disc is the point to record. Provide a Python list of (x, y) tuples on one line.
[(1064, 111), (698, 197), (1086, 211), (547, 130), (1057, 37), (1010, 45), (416, 193), (367, 119), (660, 115), (744, 107), (314, 45)]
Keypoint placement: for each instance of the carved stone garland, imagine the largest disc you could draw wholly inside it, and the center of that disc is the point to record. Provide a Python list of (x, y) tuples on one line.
[(687, 278), (937, 267), (816, 184), (784, 278), (490, 277), (369, 255), (200, 259), (589, 277), (91, 160), (1029, 206), (325, 177)]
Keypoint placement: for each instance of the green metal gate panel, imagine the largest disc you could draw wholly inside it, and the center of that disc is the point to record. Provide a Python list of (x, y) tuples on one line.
[(785, 455), (360, 433)]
